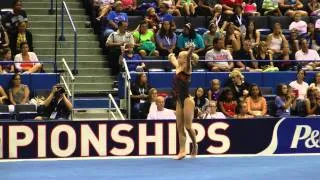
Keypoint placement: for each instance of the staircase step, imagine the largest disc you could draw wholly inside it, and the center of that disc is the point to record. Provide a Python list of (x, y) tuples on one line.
[(44, 11), (65, 44), (69, 51), (97, 92), (36, 4), (80, 64), (91, 102), (68, 37), (94, 71), (70, 57), (94, 86), (95, 79), (52, 24), (44, 30), (35, 18)]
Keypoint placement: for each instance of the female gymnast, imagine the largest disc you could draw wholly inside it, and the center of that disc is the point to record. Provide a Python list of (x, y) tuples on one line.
[(185, 103)]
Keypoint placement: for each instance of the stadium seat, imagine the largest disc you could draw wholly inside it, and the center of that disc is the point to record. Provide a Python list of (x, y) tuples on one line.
[(180, 21), (198, 22), (262, 24), (134, 22)]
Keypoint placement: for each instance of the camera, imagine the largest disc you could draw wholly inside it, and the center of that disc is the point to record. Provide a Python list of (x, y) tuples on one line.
[(60, 91)]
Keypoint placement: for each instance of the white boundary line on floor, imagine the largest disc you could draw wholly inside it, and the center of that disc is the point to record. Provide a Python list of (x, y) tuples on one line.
[(157, 157)]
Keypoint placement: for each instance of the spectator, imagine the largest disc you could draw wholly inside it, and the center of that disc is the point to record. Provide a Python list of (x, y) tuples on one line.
[(219, 19), (153, 19), (188, 6), (271, 8), (286, 57), (3, 96), (189, 36), (228, 5), (313, 34), (316, 82), (4, 38), (232, 38), (284, 101), (312, 102), (164, 14), (211, 112), (200, 100), (243, 112), (173, 9), (227, 103), (129, 55), (306, 54), (139, 95), (18, 93), (252, 34), (161, 112), (129, 7), (150, 105), (206, 7), (219, 54), (250, 8), (298, 24), (246, 53), (11, 20), (238, 19), (264, 54), (314, 8), (6, 65), (214, 91), (299, 86), (257, 104), (291, 7), (145, 4), (210, 35), (23, 35), (113, 19), (115, 41), (27, 62), (144, 40), (239, 87), (166, 39), (276, 40), (294, 41), (104, 6)]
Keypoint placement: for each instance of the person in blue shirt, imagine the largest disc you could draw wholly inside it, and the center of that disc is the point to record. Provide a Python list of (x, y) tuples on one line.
[(189, 36), (129, 55), (164, 13)]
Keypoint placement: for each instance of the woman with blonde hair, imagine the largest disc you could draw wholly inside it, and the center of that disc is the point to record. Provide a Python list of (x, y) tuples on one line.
[(185, 104)]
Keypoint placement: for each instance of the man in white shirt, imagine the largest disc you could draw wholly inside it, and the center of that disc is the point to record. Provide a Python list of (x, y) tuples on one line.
[(307, 54), (219, 54), (211, 112), (161, 112)]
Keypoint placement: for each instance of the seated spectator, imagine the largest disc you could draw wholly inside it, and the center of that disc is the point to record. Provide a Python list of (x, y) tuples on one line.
[(11, 20), (18, 92), (112, 20), (4, 38), (298, 24), (200, 100), (316, 82), (257, 104), (291, 7), (187, 6), (276, 40), (27, 62), (173, 9), (264, 54), (3, 96), (252, 34), (129, 7), (294, 41), (161, 112), (219, 19), (128, 54), (153, 19), (309, 55), (312, 102), (232, 38), (214, 91), (314, 7), (164, 14), (237, 84), (23, 35), (206, 7), (6, 64), (239, 19), (114, 43), (210, 35), (299, 86), (246, 53), (211, 112), (313, 36), (221, 55), (150, 104), (139, 95), (228, 5), (243, 112), (284, 101), (250, 8), (57, 105), (104, 7), (145, 4), (166, 39), (189, 36), (144, 40), (227, 103), (271, 8), (285, 58)]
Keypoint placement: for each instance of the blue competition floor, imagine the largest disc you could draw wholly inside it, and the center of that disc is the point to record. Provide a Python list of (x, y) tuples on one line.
[(240, 168)]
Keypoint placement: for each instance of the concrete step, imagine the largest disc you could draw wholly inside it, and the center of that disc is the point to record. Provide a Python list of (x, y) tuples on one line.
[(82, 64), (94, 86), (44, 30), (68, 37), (36, 4), (70, 57), (52, 24), (96, 92), (94, 71), (95, 79), (47, 1), (44, 11), (53, 17), (65, 44), (69, 51)]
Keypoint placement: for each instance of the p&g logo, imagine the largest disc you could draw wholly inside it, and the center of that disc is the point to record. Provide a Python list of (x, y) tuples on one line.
[(306, 134)]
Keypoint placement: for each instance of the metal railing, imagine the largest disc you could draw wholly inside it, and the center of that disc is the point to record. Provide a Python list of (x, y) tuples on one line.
[(68, 79), (64, 8), (127, 88), (111, 100)]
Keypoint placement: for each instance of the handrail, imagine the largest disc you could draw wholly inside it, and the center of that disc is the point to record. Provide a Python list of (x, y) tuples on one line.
[(70, 93), (127, 88), (116, 106), (68, 69), (66, 85), (62, 37), (126, 69)]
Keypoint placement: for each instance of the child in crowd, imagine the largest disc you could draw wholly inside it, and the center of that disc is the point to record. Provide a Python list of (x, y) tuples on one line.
[(285, 100), (298, 24), (211, 112), (314, 7), (200, 101), (227, 102), (214, 91), (128, 54), (243, 112), (188, 6), (152, 18)]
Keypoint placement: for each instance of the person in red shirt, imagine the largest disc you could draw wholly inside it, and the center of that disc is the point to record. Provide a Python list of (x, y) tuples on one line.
[(228, 5)]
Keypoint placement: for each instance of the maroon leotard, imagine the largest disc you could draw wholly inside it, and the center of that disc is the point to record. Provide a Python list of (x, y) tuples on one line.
[(181, 82)]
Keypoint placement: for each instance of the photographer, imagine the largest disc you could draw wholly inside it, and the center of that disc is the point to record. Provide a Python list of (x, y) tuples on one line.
[(57, 105)]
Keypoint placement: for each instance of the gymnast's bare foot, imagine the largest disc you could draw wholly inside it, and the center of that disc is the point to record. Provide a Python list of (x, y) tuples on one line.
[(194, 151), (180, 156)]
